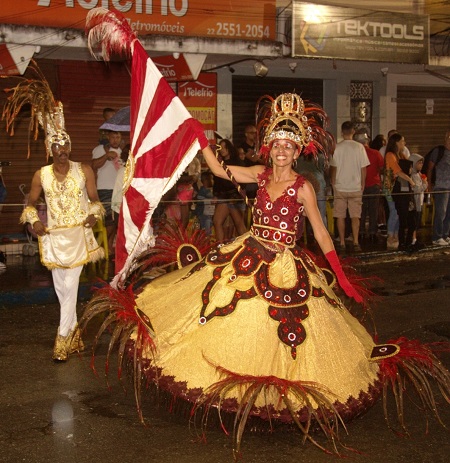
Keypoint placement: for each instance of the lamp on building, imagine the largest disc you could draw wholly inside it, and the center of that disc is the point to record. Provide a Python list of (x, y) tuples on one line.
[(231, 69), (260, 68)]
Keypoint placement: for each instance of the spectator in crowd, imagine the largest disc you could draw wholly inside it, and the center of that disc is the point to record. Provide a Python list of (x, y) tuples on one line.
[(246, 151), (441, 191), (393, 188), (372, 188), (348, 177), (383, 210), (183, 193), (319, 170), (404, 203), (205, 204), (104, 134), (420, 186), (230, 202), (117, 195), (106, 162), (404, 154), (378, 142)]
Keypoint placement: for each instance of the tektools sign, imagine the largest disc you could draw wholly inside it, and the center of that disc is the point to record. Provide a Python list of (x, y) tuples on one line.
[(321, 31)]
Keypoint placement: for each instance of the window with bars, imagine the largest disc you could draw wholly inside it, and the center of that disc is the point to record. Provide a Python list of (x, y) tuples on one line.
[(361, 101)]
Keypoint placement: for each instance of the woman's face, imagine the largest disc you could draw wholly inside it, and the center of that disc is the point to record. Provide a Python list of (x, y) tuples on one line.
[(400, 145), (224, 151), (283, 152)]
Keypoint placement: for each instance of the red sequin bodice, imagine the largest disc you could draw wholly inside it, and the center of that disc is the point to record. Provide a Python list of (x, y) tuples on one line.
[(280, 221)]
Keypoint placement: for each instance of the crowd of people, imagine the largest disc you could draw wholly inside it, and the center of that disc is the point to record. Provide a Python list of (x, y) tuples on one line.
[(374, 187)]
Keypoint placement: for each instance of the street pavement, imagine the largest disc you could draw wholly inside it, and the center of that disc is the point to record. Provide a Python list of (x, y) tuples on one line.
[(64, 413)]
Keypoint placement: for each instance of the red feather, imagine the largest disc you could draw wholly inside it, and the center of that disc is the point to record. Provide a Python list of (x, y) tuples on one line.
[(415, 364), (120, 313), (111, 30)]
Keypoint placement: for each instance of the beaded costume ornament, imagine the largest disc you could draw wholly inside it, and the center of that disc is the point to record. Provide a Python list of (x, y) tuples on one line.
[(46, 112), (288, 117), (288, 121)]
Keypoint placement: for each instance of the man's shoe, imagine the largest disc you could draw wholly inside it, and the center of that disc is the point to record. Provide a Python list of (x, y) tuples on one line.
[(60, 353), (418, 246), (391, 243), (75, 343), (440, 242), (447, 239)]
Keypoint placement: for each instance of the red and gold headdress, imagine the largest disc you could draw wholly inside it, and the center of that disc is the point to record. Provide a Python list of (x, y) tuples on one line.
[(288, 117), (45, 110)]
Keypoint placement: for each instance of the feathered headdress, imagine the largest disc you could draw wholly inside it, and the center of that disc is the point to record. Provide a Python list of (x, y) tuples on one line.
[(288, 117), (45, 110)]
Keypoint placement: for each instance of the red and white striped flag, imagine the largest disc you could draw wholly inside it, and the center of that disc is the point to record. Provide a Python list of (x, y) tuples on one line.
[(164, 140)]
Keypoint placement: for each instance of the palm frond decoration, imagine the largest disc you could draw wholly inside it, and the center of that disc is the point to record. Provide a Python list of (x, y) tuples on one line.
[(34, 91), (319, 408), (176, 244), (124, 319), (414, 365)]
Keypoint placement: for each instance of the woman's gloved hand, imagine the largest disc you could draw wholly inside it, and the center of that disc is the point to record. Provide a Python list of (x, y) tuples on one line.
[(346, 286)]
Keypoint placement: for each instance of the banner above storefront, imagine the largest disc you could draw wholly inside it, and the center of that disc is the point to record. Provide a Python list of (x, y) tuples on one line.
[(180, 67), (14, 59), (321, 31), (234, 19)]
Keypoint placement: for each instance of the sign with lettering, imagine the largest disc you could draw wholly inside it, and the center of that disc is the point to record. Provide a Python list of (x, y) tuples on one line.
[(200, 98), (322, 31), (233, 19)]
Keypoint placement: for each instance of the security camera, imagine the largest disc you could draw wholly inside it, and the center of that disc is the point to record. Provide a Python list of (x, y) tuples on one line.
[(292, 66)]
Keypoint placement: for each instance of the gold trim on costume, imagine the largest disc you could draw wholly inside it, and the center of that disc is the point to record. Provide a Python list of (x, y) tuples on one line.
[(30, 215), (96, 209), (129, 172), (273, 231), (391, 350)]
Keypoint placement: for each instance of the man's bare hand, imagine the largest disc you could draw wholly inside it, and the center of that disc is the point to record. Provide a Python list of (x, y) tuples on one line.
[(39, 228), (90, 221)]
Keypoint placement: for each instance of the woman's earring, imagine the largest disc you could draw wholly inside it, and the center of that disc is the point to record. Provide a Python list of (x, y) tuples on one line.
[(269, 162), (294, 163)]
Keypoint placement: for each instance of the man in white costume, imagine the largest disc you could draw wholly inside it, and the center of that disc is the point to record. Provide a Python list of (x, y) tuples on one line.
[(67, 241)]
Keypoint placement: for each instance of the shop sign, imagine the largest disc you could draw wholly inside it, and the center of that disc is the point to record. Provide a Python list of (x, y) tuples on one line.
[(200, 99), (233, 19), (322, 31)]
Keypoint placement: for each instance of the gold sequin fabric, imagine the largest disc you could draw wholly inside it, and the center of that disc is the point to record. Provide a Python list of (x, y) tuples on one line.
[(67, 201)]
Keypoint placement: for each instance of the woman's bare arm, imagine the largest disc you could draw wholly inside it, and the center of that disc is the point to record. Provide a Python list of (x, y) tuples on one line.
[(241, 174), (307, 197)]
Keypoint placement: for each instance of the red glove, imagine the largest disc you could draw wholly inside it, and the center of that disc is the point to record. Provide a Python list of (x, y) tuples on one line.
[(346, 286)]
